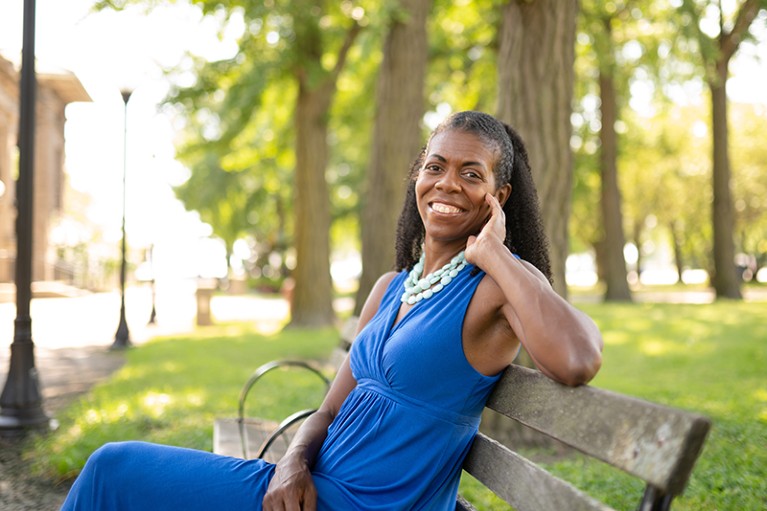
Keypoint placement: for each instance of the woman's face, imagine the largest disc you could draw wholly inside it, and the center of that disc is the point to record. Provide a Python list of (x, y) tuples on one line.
[(456, 174)]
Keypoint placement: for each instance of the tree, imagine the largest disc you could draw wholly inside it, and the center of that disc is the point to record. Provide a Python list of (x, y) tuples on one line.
[(610, 247), (535, 90), (311, 304), (217, 196), (301, 47), (396, 137), (717, 43)]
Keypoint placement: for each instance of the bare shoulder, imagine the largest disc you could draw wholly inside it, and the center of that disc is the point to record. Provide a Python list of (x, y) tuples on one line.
[(373, 301), (379, 288)]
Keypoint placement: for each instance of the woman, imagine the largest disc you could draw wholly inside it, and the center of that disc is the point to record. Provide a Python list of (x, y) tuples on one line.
[(472, 286)]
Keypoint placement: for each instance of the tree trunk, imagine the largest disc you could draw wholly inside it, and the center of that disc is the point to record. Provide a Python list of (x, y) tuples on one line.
[(725, 279), (280, 244), (638, 228), (312, 303), (600, 259), (312, 297), (396, 140), (616, 284), (536, 60), (676, 238)]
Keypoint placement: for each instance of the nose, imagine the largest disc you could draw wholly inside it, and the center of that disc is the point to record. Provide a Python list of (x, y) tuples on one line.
[(448, 182)]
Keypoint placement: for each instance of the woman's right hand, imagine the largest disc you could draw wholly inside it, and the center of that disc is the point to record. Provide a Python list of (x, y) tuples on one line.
[(291, 488)]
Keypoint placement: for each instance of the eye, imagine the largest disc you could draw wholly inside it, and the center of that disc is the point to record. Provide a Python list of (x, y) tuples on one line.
[(432, 168), (472, 174)]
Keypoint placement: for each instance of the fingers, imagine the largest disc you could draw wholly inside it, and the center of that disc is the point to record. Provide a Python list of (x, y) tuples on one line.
[(291, 497), (292, 505), (497, 219), (495, 205), (287, 504), (310, 503)]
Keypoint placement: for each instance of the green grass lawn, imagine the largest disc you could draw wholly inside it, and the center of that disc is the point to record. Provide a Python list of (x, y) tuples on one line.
[(707, 358)]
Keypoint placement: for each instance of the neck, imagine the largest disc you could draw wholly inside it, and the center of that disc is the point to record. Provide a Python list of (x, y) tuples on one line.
[(437, 254)]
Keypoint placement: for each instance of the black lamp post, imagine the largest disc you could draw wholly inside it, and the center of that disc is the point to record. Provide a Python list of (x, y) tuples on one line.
[(21, 400), (122, 337)]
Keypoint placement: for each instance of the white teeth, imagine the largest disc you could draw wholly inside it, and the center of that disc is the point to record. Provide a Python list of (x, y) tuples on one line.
[(444, 208)]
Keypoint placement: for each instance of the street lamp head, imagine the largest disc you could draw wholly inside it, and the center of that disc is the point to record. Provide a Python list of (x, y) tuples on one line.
[(126, 93)]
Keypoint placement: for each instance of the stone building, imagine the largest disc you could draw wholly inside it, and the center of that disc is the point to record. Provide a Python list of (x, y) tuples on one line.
[(54, 92)]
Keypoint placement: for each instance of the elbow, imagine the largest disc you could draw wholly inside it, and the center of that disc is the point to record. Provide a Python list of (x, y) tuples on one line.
[(588, 369), (584, 365)]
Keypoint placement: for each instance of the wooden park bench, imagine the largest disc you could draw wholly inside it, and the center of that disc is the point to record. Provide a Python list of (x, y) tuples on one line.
[(657, 444)]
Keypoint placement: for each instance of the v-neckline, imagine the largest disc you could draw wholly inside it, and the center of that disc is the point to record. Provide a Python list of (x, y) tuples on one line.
[(394, 323)]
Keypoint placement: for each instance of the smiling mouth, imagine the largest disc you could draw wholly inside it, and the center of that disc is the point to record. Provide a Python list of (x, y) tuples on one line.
[(444, 208)]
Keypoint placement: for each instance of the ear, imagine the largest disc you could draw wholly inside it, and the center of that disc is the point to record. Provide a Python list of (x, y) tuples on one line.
[(503, 193)]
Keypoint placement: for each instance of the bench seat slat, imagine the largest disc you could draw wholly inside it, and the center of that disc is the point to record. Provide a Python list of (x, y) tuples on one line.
[(226, 438), (656, 443), (520, 482)]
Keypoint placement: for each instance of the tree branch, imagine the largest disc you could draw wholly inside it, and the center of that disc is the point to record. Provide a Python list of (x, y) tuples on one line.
[(729, 42), (343, 53)]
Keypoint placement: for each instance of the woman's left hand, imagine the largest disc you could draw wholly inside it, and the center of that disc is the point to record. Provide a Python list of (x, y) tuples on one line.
[(491, 237)]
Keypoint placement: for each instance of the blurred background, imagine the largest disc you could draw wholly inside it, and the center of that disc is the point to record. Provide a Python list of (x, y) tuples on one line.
[(246, 162), (265, 144)]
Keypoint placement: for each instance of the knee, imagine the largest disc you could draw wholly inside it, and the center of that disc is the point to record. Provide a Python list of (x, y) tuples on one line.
[(106, 467), (110, 456)]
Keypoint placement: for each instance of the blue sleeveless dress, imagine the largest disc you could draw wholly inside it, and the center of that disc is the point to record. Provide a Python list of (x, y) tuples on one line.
[(398, 442)]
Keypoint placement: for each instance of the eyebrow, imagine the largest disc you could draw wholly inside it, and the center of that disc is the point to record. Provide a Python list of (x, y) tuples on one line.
[(465, 164)]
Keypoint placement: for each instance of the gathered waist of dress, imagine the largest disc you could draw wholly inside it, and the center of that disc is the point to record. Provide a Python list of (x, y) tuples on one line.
[(450, 416)]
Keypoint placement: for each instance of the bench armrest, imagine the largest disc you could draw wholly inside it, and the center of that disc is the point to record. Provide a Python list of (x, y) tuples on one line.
[(286, 424), (260, 373)]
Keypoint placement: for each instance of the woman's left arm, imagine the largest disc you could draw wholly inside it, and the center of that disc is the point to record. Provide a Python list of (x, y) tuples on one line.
[(564, 342)]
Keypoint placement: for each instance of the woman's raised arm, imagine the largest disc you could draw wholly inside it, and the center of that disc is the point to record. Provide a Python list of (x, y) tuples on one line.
[(564, 342)]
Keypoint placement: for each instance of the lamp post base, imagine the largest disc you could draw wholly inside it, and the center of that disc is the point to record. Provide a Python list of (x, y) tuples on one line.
[(18, 427), (122, 337), (153, 317), (21, 402)]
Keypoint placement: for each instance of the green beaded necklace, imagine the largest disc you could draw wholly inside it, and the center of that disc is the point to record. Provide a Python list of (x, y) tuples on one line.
[(417, 288)]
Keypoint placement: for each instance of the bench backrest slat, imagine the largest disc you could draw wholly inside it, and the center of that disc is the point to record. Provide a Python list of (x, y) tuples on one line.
[(655, 443), (462, 504), (522, 483)]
